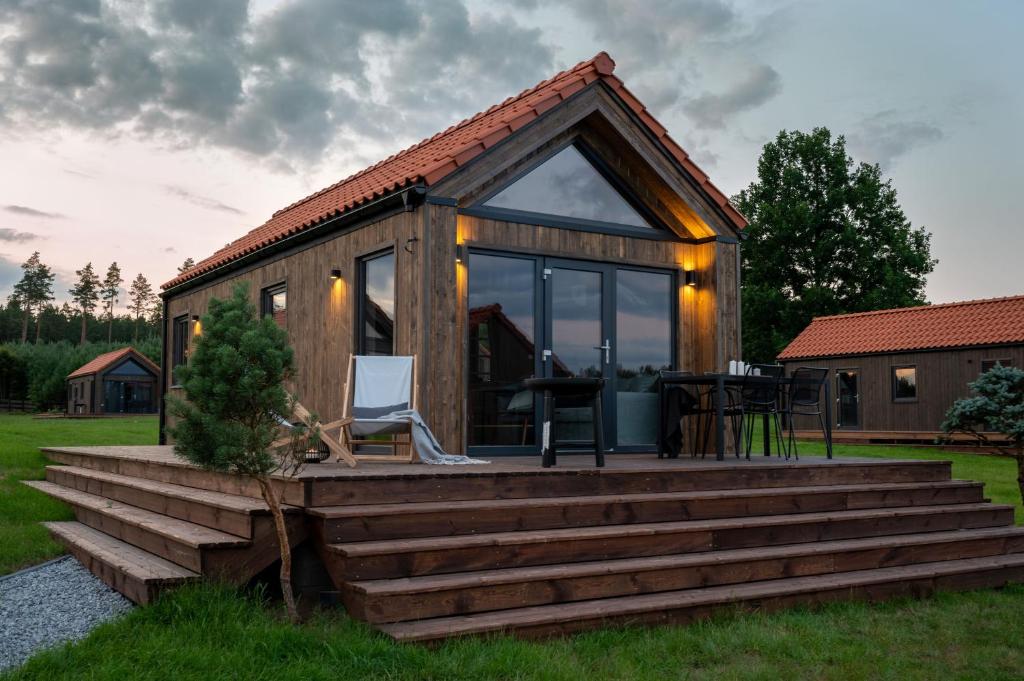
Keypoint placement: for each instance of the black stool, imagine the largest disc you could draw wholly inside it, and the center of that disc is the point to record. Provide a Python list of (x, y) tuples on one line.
[(554, 388)]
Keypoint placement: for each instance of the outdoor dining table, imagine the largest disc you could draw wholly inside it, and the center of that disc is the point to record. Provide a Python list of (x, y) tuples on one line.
[(719, 382)]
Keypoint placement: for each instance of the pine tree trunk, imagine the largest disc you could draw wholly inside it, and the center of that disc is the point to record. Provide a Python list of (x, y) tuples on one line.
[(39, 323), (110, 325), (85, 328), (135, 333), (270, 496), (24, 326)]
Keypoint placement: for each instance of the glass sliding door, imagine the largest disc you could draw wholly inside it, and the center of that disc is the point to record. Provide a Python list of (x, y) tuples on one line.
[(848, 397), (643, 347), (502, 350)]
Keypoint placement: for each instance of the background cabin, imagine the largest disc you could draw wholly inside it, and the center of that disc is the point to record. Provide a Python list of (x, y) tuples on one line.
[(896, 372), (561, 232), (120, 382)]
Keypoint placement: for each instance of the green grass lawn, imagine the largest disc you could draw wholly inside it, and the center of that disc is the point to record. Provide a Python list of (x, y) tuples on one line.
[(23, 541), (212, 632)]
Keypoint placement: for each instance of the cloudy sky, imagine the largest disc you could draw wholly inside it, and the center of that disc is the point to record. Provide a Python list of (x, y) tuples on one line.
[(148, 132)]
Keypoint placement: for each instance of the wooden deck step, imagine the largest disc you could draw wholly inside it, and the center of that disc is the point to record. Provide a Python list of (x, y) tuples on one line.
[(137, 574), (688, 605), (176, 540), (228, 512), (431, 519), (392, 600), (436, 555)]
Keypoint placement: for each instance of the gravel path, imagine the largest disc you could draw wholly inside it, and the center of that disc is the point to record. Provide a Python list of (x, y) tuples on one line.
[(51, 604)]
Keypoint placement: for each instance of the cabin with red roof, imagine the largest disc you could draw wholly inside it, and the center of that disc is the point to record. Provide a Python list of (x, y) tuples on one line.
[(895, 373), (560, 232), (120, 382)]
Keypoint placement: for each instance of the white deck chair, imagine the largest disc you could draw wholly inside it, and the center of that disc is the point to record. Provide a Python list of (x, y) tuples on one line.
[(376, 386)]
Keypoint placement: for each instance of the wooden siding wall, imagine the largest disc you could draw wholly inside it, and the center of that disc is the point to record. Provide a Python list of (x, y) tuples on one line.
[(321, 312), (942, 378)]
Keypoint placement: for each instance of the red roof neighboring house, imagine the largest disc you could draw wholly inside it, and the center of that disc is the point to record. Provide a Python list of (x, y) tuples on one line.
[(992, 321), (435, 158), (109, 358)]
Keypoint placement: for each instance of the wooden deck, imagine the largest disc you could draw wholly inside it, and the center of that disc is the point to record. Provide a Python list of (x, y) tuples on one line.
[(428, 552)]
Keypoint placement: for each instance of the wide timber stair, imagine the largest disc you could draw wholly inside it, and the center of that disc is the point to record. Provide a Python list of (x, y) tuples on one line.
[(424, 553)]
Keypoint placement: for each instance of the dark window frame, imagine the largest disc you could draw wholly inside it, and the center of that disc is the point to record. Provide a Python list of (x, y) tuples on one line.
[(659, 231), (359, 325), (267, 294), (179, 343), (893, 382), (1003, 361)]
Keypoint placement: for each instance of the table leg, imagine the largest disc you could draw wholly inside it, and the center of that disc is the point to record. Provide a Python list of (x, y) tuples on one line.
[(661, 420), (598, 432), (547, 440), (828, 418), (765, 435), (720, 418)]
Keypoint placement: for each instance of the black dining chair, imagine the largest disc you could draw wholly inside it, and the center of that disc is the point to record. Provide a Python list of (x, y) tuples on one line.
[(760, 396), (733, 410), (805, 395), (679, 403)]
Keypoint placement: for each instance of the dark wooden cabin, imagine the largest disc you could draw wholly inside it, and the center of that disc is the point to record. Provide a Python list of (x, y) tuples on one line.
[(120, 382), (896, 372), (561, 232)]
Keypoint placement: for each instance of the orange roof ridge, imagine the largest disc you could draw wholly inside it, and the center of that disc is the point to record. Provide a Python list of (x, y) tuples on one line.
[(926, 306), (432, 159), (100, 362)]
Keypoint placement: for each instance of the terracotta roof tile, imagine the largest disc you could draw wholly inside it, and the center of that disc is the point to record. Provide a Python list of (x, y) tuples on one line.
[(101, 362), (431, 160), (990, 321)]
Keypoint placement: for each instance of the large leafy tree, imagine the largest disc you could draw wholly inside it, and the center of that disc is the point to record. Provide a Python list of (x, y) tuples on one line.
[(86, 295), (109, 291), (234, 384), (826, 236), (994, 414)]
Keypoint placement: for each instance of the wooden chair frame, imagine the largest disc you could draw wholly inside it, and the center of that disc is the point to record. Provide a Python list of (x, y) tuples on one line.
[(337, 449), (399, 441)]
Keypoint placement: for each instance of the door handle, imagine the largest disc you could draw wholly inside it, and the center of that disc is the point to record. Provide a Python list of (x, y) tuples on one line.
[(607, 347), (544, 355)]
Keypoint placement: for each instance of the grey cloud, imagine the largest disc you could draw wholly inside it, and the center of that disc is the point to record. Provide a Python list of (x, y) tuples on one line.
[(757, 86), (169, 249), (32, 212), (290, 84), (201, 201), (14, 236), (886, 136)]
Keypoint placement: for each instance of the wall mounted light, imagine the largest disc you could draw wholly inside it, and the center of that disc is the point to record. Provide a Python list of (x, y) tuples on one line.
[(195, 318), (690, 277), (336, 273), (460, 253)]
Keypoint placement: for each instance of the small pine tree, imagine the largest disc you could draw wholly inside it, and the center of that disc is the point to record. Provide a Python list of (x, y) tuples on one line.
[(234, 385), (110, 290), (141, 297), (187, 265), (86, 295), (996, 407)]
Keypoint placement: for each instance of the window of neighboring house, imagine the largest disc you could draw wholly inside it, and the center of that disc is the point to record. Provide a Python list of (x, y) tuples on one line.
[(179, 344), (375, 323), (275, 304), (904, 383), (987, 364)]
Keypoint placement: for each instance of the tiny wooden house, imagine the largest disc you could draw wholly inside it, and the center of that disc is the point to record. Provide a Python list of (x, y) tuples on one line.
[(120, 382), (561, 232), (899, 371)]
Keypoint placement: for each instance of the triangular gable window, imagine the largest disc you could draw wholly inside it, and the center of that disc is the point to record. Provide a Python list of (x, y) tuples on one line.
[(568, 186)]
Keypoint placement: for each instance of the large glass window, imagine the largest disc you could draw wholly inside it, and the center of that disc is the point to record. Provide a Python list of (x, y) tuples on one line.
[(501, 350), (274, 302), (643, 327), (376, 325), (568, 185), (987, 364), (904, 383), (179, 344)]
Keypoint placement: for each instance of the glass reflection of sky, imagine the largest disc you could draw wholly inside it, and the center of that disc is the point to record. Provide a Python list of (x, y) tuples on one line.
[(568, 185), (643, 320), (506, 281), (380, 282)]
